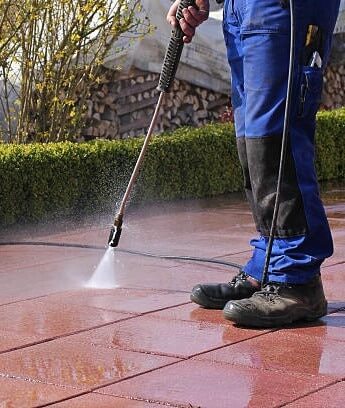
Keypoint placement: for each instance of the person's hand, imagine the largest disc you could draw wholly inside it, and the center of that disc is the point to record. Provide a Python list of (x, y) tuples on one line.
[(192, 17)]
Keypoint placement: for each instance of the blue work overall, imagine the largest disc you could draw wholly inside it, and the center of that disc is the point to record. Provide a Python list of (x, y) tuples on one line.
[(257, 36)]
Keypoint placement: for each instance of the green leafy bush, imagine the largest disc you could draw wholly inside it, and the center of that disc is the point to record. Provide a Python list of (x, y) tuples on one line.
[(41, 180), (330, 144)]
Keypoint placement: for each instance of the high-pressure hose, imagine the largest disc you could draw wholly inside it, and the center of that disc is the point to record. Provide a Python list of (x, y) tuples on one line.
[(169, 68), (285, 137), (124, 251)]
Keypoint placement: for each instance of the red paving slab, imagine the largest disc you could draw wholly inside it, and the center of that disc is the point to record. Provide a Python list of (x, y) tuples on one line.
[(216, 385), (137, 330), (19, 393)]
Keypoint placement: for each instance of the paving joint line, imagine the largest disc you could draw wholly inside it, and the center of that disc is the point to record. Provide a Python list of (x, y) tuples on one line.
[(25, 300), (340, 309), (285, 404), (124, 288), (64, 399), (333, 264), (142, 351), (154, 289), (231, 344), (149, 401)]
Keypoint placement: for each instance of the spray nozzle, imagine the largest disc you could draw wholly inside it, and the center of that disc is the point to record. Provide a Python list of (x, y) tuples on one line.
[(115, 231)]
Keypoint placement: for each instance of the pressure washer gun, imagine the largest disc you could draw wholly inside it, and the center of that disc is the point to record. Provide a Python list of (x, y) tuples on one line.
[(169, 68)]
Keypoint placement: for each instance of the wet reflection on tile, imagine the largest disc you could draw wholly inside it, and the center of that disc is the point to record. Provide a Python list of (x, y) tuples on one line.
[(41, 319), (314, 349), (122, 300), (72, 363), (163, 336), (216, 385)]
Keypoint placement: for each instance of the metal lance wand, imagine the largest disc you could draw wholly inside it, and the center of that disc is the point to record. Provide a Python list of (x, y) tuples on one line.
[(169, 68)]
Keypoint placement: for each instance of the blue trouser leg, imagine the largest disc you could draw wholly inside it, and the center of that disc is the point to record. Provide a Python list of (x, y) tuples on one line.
[(231, 28), (258, 32)]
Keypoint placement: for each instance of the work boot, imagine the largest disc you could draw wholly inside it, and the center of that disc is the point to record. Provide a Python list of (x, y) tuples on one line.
[(279, 304), (216, 295)]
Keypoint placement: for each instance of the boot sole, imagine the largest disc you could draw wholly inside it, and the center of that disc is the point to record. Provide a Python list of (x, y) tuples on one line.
[(240, 317)]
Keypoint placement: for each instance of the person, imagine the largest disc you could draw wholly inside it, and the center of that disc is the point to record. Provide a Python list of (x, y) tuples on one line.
[(257, 38)]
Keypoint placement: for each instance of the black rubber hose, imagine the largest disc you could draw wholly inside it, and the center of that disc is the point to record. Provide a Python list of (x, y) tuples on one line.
[(285, 136), (125, 251)]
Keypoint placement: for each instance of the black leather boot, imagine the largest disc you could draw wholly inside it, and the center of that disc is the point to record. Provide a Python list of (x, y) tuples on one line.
[(216, 295), (279, 305)]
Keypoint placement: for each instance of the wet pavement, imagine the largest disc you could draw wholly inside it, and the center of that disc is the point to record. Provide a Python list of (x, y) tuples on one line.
[(134, 340)]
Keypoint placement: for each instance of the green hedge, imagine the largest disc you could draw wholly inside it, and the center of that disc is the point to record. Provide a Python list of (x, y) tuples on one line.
[(330, 145), (38, 181)]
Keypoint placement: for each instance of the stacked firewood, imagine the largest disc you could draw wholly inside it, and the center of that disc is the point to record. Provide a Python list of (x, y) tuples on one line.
[(123, 107), (334, 87)]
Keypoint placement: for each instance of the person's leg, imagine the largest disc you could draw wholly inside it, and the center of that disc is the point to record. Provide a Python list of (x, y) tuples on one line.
[(233, 14), (303, 238), (242, 286), (303, 235)]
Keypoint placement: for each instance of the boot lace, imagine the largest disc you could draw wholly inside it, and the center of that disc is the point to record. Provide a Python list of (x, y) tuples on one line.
[(241, 276), (270, 291)]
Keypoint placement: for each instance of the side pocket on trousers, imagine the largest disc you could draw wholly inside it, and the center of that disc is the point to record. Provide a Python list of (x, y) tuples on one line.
[(310, 92)]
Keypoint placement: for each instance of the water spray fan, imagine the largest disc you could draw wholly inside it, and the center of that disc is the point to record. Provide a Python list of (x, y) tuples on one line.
[(169, 68)]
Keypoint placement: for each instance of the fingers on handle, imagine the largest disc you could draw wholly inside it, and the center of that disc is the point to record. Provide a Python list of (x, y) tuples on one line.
[(171, 17), (198, 15)]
